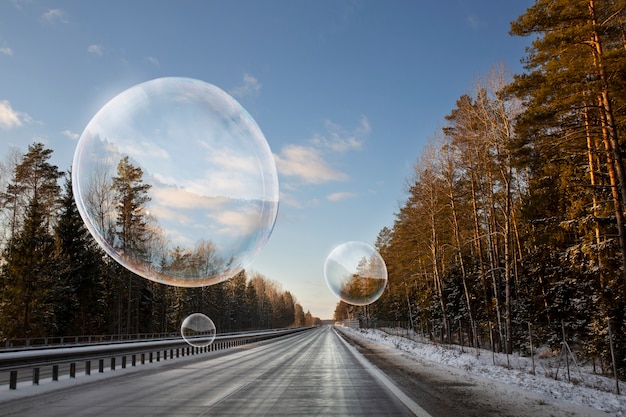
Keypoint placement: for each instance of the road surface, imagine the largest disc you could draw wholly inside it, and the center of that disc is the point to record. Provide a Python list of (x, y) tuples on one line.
[(309, 374)]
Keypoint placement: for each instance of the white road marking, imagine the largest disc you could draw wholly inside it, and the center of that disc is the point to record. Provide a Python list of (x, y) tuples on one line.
[(377, 373)]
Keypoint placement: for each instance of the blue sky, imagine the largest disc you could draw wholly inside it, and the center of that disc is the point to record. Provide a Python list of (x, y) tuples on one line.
[(347, 94)]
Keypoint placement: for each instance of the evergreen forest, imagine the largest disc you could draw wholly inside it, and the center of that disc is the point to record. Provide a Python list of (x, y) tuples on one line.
[(55, 280), (514, 215)]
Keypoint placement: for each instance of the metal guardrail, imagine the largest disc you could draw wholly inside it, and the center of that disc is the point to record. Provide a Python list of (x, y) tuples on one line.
[(35, 359), (46, 341)]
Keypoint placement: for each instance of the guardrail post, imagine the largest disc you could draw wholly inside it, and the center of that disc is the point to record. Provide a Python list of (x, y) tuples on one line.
[(114, 353), (13, 380)]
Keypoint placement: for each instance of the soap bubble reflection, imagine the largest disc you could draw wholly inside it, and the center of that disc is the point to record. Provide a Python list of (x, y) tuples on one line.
[(176, 182), (356, 273), (198, 330)]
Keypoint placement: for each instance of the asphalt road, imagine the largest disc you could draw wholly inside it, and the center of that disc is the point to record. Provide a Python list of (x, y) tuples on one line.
[(310, 374)]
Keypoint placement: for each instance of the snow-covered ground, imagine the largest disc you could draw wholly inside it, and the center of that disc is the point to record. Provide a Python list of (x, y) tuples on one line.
[(584, 389)]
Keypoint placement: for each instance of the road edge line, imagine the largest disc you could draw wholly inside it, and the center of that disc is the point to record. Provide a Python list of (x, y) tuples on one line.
[(380, 375)]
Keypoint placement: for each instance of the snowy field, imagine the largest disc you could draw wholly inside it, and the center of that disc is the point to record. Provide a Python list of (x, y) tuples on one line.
[(584, 389)]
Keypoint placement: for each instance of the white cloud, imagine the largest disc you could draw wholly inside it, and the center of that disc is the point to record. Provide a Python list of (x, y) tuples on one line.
[(238, 223), (342, 195), (95, 49), (144, 149), (180, 198), (6, 51), (289, 199), (166, 213), (473, 22), (10, 118), (307, 164), (338, 139), (250, 87), (153, 61), (55, 15), (71, 135)]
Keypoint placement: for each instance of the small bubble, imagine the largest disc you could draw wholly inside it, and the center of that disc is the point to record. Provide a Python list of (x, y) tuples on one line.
[(198, 330), (356, 273)]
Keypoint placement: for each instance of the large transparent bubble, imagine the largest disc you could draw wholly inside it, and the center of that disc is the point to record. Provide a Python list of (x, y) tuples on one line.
[(176, 182), (356, 273), (198, 330)]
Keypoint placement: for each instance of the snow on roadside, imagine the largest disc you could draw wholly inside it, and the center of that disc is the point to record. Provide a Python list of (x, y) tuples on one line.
[(585, 389)]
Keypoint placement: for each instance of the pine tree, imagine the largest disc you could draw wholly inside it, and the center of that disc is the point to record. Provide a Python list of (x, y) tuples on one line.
[(28, 274), (79, 291), (131, 234), (572, 139), (252, 302), (571, 90), (28, 277), (131, 195)]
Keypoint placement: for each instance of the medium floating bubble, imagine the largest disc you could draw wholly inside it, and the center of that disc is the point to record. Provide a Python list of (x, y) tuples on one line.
[(176, 182), (198, 330), (356, 273)]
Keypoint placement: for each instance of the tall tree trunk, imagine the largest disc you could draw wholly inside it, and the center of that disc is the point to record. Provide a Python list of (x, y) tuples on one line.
[(606, 106), (591, 149), (617, 201), (434, 249), (507, 269), (129, 304), (615, 162), (457, 238), (479, 246)]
